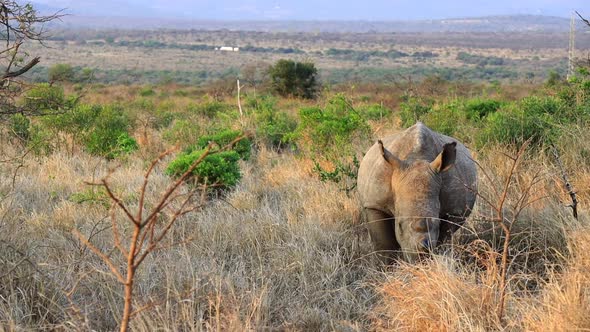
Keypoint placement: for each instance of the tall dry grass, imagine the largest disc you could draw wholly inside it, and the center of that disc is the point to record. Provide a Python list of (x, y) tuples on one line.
[(283, 251)]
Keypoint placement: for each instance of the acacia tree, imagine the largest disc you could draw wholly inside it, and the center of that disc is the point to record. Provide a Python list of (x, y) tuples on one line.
[(19, 24), (298, 79)]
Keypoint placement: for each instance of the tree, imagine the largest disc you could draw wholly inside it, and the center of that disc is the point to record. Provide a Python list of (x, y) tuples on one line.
[(298, 79), (61, 72), (19, 24)]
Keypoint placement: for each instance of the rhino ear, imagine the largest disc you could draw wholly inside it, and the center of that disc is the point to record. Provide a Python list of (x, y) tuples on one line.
[(446, 159), (389, 157)]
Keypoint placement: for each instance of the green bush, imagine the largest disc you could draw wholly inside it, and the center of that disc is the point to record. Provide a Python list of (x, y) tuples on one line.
[(92, 195), (223, 138), (125, 145), (543, 105), (514, 125), (290, 78), (374, 111), (183, 132), (209, 109), (20, 127), (147, 92), (332, 130), (75, 122), (40, 140), (61, 72), (221, 168), (344, 173), (102, 130), (110, 126), (180, 93), (45, 98), (162, 118), (476, 109), (273, 127), (412, 110), (446, 119)]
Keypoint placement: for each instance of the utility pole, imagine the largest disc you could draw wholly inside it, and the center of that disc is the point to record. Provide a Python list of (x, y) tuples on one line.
[(572, 48)]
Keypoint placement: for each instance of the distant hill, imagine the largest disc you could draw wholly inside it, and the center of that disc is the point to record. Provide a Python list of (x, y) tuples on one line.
[(515, 23)]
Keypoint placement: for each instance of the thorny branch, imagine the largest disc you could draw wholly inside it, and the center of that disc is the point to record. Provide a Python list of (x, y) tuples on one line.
[(522, 201), (568, 185), (146, 236)]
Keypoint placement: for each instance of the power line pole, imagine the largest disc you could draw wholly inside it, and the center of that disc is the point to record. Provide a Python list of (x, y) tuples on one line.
[(572, 48)]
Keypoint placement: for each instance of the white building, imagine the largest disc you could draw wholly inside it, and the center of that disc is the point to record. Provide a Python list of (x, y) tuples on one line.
[(228, 48)]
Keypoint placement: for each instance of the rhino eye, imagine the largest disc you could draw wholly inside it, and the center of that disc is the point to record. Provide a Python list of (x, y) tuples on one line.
[(420, 226)]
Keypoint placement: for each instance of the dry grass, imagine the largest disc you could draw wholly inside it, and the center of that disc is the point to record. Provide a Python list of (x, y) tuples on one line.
[(282, 251)]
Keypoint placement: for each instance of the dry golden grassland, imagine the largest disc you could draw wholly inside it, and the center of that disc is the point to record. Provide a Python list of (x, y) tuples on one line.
[(283, 250)]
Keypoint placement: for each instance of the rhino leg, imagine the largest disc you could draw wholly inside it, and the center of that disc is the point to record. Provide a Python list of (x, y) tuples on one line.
[(382, 231)]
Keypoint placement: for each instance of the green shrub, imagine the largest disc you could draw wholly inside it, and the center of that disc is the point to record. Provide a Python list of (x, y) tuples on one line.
[(125, 145), (543, 105), (274, 128), (446, 119), (476, 109), (374, 111), (290, 78), (45, 98), (102, 130), (61, 72), (20, 127), (209, 109), (514, 125), (92, 195), (162, 118), (223, 138), (40, 140), (76, 122), (108, 128), (182, 132), (332, 130), (180, 93), (344, 173), (147, 92), (221, 168), (412, 110)]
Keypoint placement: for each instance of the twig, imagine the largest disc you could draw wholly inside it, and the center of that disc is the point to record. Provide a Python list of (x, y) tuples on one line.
[(568, 185)]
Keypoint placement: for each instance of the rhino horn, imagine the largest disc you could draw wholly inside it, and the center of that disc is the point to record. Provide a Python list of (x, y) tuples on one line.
[(446, 159), (389, 157)]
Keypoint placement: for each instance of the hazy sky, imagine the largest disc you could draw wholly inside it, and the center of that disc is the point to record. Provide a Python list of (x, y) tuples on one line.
[(317, 9)]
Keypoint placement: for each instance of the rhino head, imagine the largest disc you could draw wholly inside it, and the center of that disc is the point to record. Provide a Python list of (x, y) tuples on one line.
[(416, 187)]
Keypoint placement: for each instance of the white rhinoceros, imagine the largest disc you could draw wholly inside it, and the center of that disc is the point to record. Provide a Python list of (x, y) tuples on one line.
[(416, 187)]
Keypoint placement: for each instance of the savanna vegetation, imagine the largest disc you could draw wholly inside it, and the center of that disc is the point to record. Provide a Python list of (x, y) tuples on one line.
[(180, 207)]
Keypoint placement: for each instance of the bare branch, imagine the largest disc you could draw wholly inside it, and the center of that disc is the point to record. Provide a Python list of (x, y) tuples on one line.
[(100, 254), (568, 185), (583, 19)]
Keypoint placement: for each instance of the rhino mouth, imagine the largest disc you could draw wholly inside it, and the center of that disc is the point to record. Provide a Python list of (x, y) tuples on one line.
[(417, 256)]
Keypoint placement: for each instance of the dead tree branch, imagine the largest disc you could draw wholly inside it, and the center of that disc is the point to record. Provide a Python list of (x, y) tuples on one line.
[(567, 184), (149, 229)]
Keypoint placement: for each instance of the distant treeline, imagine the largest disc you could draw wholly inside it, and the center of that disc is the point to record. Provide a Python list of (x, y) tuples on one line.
[(447, 73), (192, 47), (480, 60), (327, 76), (346, 54), (132, 76)]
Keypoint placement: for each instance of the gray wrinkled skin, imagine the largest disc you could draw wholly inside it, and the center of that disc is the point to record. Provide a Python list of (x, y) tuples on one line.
[(416, 190)]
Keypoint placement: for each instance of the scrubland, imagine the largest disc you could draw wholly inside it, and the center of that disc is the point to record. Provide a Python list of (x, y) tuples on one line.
[(282, 249)]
